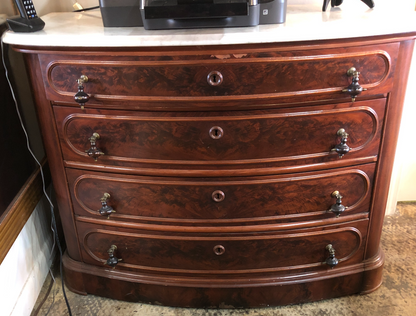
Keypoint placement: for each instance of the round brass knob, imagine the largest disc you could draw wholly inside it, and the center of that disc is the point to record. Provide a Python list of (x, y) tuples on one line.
[(219, 250), (216, 132), (218, 196), (215, 78)]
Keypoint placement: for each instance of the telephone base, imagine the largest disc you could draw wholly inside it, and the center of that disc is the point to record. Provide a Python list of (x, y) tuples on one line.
[(20, 24)]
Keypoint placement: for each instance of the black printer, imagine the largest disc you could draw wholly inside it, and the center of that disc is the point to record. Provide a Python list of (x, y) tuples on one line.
[(179, 14)]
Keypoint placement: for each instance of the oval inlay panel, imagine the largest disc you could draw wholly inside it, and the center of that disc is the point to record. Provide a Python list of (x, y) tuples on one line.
[(247, 139), (156, 199), (245, 254)]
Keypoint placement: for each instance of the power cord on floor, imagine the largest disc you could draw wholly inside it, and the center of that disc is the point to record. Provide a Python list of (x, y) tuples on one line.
[(53, 220)]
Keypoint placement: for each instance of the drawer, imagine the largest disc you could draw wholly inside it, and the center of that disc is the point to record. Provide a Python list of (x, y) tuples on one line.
[(222, 201), (204, 140), (261, 252), (214, 79)]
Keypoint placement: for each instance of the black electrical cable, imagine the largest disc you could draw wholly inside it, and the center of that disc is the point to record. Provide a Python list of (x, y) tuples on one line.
[(87, 9), (4, 58), (60, 261)]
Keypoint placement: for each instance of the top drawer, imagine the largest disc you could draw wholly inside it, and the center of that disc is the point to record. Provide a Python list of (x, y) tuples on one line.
[(183, 79)]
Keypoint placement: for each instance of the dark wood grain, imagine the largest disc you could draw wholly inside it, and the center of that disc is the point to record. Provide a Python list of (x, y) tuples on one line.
[(246, 199), (280, 137), (279, 108), (247, 75), (251, 293), (222, 229), (287, 250), (53, 152), (241, 77)]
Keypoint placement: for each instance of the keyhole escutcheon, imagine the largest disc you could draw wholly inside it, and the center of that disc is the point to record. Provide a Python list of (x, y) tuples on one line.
[(215, 78), (218, 196), (216, 132), (219, 250)]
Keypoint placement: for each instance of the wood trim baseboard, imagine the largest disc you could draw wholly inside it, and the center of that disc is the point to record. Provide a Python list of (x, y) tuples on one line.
[(20, 209)]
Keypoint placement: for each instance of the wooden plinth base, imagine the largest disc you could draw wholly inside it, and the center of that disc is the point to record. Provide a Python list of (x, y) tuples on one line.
[(127, 286)]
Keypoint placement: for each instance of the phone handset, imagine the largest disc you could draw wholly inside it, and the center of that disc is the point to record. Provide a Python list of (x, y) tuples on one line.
[(28, 20)]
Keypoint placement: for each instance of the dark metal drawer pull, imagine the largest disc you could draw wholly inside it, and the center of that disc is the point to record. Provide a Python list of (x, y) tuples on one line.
[(218, 196), (342, 148), (337, 208), (331, 260), (81, 97), (94, 152), (219, 250), (354, 89), (112, 261), (106, 210)]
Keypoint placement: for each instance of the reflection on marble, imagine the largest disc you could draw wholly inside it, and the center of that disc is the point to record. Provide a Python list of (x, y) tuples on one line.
[(303, 22)]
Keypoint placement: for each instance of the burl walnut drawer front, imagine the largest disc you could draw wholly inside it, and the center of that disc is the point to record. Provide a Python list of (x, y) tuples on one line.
[(194, 139), (220, 201), (184, 78), (229, 253)]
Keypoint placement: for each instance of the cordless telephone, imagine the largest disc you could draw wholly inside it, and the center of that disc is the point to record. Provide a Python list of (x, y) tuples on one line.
[(28, 20)]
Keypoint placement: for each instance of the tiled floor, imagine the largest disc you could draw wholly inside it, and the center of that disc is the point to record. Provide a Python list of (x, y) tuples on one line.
[(396, 296)]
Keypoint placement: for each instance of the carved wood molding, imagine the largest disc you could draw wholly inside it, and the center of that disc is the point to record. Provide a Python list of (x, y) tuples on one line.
[(20, 209)]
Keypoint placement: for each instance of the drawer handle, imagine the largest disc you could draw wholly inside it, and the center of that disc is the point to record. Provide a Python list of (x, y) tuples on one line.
[(342, 148), (112, 260), (81, 97), (331, 260), (337, 208), (106, 210), (219, 250), (94, 152), (216, 132), (215, 78), (354, 89), (218, 196)]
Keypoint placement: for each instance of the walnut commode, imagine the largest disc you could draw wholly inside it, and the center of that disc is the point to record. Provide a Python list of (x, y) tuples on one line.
[(223, 176)]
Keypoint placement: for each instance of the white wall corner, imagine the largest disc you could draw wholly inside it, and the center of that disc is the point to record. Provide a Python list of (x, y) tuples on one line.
[(25, 267), (403, 180)]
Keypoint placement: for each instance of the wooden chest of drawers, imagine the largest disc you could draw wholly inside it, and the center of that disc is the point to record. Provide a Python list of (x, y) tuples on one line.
[(230, 176)]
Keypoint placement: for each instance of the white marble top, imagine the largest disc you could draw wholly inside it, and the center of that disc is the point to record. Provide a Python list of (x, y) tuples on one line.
[(303, 22)]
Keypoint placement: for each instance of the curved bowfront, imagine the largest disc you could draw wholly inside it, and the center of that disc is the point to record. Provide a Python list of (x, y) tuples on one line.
[(229, 167)]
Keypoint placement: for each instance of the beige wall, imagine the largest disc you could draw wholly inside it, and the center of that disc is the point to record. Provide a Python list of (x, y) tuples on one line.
[(66, 5), (405, 173), (46, 6), (6, 7)]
